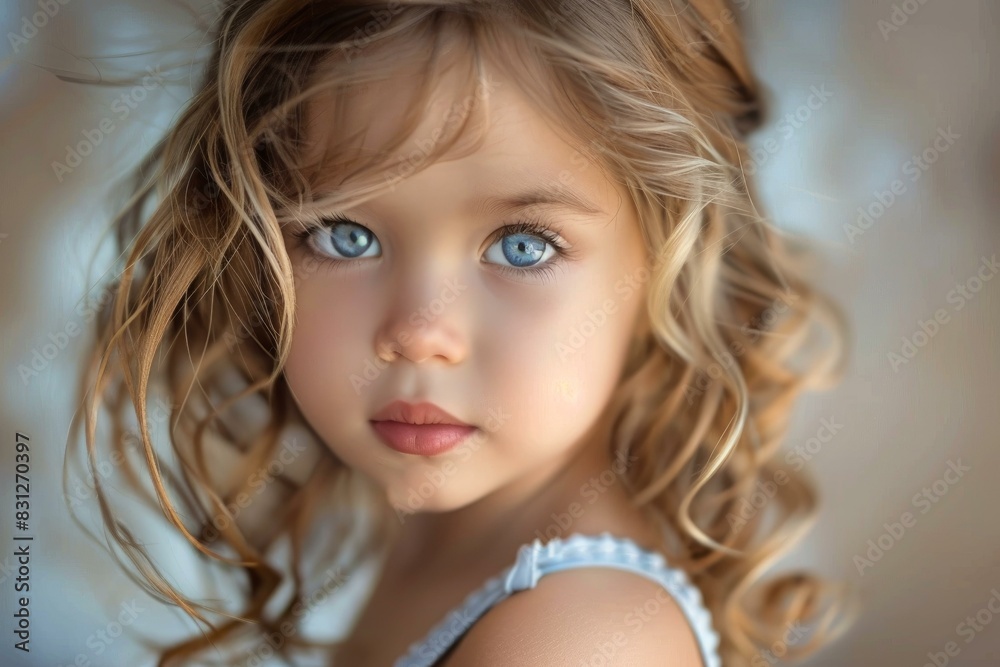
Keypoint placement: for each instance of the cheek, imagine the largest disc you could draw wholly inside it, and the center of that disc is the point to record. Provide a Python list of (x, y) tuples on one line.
[(327, 355), (556, 364)]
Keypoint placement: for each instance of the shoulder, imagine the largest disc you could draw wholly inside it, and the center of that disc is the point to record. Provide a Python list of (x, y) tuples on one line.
[(592, 615)]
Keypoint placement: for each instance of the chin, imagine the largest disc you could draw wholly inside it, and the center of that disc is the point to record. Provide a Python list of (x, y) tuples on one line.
[(428, 489)]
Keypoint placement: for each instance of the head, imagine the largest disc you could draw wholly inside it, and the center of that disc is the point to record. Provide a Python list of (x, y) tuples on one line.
[(532, 214), (439, 296)]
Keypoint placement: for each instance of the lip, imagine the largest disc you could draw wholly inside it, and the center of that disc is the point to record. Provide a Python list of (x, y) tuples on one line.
[(422, 429), (416, 413)]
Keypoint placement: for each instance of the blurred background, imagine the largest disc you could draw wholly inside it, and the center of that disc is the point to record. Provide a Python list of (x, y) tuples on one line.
[(883, 146)]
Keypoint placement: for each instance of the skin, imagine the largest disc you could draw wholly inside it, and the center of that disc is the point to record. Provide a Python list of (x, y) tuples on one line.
[(492, 349)]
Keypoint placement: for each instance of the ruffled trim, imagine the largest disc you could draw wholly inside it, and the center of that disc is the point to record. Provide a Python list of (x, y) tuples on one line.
[(534, 558), (607, 548)]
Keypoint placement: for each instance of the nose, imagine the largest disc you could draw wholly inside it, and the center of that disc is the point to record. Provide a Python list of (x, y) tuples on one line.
[(423, 321)]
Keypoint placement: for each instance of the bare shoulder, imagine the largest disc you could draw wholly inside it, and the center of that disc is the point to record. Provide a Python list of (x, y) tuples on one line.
[(583, 616)]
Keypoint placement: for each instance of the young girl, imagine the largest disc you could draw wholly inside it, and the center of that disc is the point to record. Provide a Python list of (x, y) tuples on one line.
[(501, 261)]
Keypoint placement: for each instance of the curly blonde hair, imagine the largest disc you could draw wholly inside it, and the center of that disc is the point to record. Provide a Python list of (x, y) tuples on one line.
[(662, 95)]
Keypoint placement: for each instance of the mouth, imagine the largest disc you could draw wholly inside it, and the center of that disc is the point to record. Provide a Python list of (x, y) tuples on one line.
[(421, 429)]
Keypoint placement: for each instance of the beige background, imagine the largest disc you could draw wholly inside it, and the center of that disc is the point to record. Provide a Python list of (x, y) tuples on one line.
[(890, 93)]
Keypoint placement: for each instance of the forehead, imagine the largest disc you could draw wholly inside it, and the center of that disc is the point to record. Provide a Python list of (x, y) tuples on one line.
[(411, 118)]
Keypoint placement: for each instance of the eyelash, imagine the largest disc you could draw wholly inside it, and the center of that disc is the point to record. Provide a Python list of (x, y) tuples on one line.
[(530, 226)]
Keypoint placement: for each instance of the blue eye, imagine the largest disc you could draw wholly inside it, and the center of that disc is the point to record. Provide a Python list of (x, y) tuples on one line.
[(346, 239), (520, 250)]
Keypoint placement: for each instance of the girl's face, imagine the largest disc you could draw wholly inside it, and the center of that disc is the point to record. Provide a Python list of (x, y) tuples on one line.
[(429, 298)]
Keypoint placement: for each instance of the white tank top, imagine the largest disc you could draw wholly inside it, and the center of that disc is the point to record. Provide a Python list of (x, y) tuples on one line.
[(535, 560)]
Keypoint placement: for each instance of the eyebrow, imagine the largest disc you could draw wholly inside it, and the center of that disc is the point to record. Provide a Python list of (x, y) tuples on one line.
[(542, 195)]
